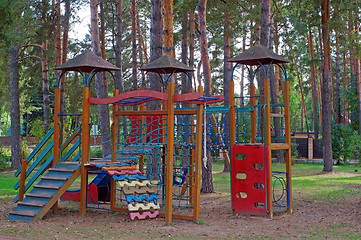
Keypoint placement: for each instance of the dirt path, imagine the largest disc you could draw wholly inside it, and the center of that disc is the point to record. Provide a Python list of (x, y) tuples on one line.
[(309, 221)]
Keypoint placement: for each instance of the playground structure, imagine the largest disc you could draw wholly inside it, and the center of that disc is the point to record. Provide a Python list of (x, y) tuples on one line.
[(154, 164), (253, 182)]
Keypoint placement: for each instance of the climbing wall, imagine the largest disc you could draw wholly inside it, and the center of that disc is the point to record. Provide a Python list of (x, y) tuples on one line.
[(138, 192), (249, 180)]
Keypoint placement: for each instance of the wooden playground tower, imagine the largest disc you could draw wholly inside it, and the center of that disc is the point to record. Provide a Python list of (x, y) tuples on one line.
[(189, 188), (244, 190), (150, 138)]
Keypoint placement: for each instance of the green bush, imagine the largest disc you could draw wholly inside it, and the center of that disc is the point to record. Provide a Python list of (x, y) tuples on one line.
[(37, 129), (346, 144), (5, 158)]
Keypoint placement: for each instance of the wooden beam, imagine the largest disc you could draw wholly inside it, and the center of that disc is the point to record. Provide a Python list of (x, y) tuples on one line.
[(56, 147), (84, 150), (22, 180), (156, 112), (169, 157), (286, 97), (267, 116), (198, 163), (232, 113), (252, 91), (131, 94), (114, 150)]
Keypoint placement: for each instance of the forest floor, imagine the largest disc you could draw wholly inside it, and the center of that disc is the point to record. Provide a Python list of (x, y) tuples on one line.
[(334, 214)]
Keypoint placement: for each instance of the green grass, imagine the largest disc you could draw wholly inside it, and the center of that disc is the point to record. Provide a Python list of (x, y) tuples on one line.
[(308, 181), (7, 183)]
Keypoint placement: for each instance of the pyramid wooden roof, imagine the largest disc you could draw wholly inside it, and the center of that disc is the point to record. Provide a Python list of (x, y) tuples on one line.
[(87, 62), (258, 55), (166, 64)]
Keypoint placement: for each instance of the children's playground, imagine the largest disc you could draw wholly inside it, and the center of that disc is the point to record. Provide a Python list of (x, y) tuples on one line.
[(142, 178)]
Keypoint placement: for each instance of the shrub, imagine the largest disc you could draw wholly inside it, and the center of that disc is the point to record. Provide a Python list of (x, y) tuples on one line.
[(5, 158), (346, 143)]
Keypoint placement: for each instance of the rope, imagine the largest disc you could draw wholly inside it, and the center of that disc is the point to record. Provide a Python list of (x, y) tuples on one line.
[(205, 136)]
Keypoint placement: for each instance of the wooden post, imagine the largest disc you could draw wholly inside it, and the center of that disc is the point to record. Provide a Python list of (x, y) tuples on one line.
[(114, 127), (232, 114), (169, 157), (192, 157), (252, 91), (24, 164), (286, 97), (142, 134), (114, 150), (310, 147), (198, 163), (84, 150), (56, 148), (267, 116)]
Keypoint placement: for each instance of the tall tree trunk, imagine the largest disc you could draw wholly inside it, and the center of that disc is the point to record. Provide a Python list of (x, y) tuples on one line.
[(134, 47), (227, 73), (185, 84), (192, 36), (45, 80), (243, 68), (64, 49), (167, 11), (140, 45), (338, 81), (326, 89), (207, 179), (102, 36), (16, 155), (264, 40), (314, 84), (345, 88), (184, 53), (357, 71), (155, 49), (274, 100), (66, 31), (100, 84), (58, 61), (321, 75), (118, 48)]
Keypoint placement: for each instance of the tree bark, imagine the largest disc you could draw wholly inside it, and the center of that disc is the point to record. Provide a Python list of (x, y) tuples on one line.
[(357, 72), (155, 49), (274, 100), (118, 48), (264, 40), (314, 84), (102, 36), (338, 81), (16, 154), (134, 47), (100, 84), (207, 179), (140, 45), (184, 53), (326, 89), (227, 74), (192, 36), (167, 12), (45, 81)]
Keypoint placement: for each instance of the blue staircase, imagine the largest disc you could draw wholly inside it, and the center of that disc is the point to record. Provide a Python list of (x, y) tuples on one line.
[(46, 192), (57, 179)]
